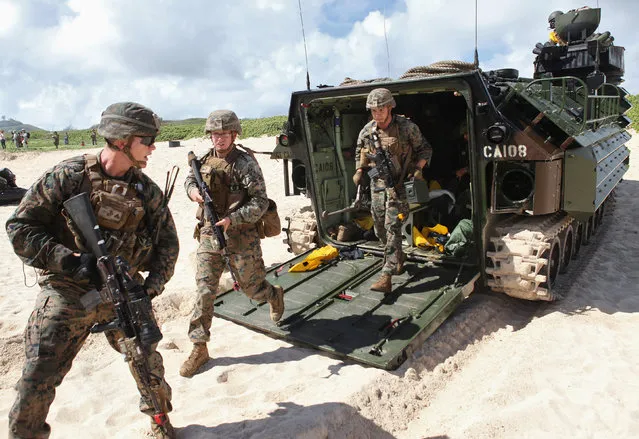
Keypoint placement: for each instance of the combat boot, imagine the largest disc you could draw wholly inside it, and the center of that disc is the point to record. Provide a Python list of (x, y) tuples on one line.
[(277, 303), (400, 269), (384, 284), (198, 357), (165, 431)]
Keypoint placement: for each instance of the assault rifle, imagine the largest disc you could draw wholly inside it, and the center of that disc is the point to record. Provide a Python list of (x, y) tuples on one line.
[(132, 305), (383, 168), (209, 211)]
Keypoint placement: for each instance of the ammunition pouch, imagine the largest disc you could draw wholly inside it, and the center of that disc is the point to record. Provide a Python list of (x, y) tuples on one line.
[(115, 212)]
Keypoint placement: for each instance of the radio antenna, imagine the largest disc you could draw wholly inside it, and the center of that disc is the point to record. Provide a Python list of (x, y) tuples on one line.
[(308, 79), (476, 54), (386, 40)]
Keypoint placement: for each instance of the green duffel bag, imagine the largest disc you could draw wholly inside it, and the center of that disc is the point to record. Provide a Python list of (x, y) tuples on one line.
[(461, 241)]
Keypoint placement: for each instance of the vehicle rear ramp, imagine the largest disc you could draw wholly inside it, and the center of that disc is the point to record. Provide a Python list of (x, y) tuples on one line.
[(333, 309)]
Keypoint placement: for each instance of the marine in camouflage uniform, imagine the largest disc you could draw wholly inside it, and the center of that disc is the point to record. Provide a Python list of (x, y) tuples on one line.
[(407, 150), (56, 139), (237, 187), (127, 207)]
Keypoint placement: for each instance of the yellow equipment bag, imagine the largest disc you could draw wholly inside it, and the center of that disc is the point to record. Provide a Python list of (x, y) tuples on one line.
[(364, 223), (315, 259), (427, 237)]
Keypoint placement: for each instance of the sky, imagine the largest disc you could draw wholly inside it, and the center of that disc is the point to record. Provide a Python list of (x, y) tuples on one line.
[(63, 62)]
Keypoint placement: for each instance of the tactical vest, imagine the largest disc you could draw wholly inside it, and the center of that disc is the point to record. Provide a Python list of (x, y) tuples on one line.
[(224, 183), (119, 211), (389, 140), (400, 155)]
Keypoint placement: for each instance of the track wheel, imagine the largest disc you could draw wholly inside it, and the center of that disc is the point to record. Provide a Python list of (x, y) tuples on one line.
[(551, 270), (567, 250), (578, 240), (587, 235)]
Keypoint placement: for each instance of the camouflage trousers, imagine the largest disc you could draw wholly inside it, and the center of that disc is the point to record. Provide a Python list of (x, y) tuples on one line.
[(245, 257), (57, 329), (386, 205)]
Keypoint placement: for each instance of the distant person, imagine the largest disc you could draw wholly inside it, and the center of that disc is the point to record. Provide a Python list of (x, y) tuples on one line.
[(25, 138), (66, 138), (56, 139), (3, 141), (94, 140), (238, 189), (16, 139), (127, 206)]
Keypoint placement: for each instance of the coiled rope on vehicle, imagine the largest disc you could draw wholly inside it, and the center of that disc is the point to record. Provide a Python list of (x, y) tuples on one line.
[(438, 68), (351, 81), (434, 69)]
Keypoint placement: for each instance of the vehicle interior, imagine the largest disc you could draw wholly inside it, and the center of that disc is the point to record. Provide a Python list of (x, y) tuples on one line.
[(443, 199)]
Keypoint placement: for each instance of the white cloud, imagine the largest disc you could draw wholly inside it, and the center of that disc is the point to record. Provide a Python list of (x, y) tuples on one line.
[(9, 14), (185, 58)]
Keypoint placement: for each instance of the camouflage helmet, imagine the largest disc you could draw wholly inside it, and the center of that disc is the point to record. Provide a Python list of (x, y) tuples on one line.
[(223, 120), (380, 97), (125, 119)]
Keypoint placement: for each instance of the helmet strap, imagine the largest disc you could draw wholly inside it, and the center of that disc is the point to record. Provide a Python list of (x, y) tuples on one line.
[(127, 151)]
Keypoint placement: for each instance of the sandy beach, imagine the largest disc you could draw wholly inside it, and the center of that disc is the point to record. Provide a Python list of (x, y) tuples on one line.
[(498, 368)]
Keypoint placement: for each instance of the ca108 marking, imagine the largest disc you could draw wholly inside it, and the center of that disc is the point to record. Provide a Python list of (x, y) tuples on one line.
[(505, 151)]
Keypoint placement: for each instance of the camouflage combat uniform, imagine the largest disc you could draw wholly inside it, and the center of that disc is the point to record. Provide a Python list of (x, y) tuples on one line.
[(239, 192), (59, 324), (403, 139)]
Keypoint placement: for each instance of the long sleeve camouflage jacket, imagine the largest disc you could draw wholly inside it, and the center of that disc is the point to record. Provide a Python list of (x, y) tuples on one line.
[(41, 237), (409, 137), (246, 173)]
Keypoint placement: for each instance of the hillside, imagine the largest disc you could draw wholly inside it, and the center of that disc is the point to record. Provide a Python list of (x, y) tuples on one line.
[(13, 125)]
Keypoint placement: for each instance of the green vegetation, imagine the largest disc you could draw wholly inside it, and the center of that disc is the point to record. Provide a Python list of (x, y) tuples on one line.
[(633, 113), (266, 126), (190, 128), (181, 129), (171, 130)]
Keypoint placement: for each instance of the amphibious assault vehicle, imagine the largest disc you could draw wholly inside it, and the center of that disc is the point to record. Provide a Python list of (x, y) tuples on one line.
[(541, 158)]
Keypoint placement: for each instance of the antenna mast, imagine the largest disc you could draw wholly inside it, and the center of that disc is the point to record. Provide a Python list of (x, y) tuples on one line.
[(308, 79), (386, 40), (476, 54)]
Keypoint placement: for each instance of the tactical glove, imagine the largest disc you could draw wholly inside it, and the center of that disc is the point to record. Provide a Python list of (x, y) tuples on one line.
[(84, 267), (151, 293), (358, 176)]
